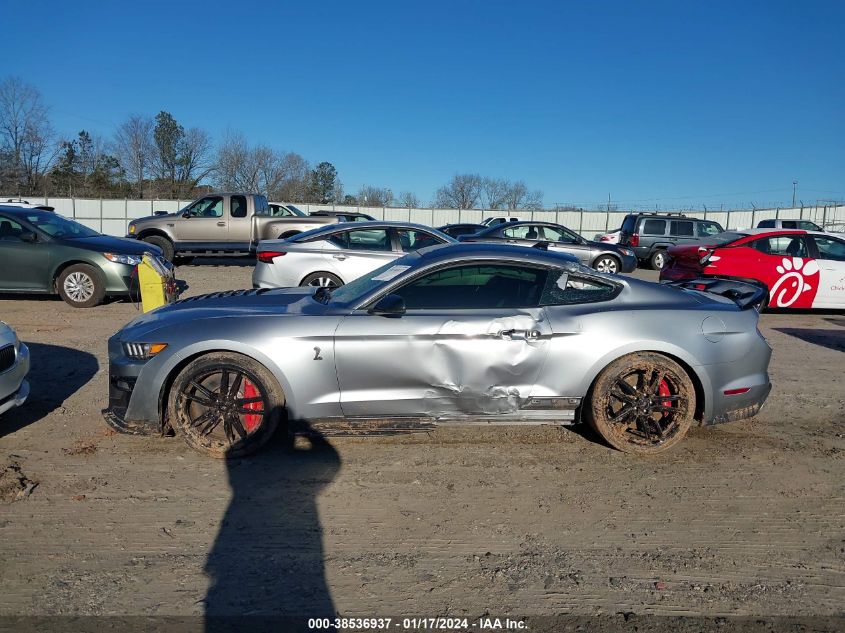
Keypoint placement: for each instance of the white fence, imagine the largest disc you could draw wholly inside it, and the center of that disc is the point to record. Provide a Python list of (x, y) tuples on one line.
[(112, 216)]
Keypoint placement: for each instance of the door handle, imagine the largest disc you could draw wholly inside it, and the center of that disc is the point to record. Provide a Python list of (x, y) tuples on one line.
[(221, 224), (340, 257)]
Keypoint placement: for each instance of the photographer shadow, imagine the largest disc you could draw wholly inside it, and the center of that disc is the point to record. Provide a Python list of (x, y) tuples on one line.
[(266, 565)]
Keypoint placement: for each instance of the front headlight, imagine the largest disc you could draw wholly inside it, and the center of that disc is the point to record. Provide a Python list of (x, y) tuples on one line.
[(142, 351), (132, 260), (131, 229)]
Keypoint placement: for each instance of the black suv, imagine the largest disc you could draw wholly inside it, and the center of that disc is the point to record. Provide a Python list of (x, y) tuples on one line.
[(650, 234)]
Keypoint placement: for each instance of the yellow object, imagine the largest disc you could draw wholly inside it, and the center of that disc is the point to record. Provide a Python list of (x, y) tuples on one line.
[(152, 278)]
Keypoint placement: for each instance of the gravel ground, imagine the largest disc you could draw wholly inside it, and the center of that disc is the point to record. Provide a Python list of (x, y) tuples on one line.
[(745, 519)]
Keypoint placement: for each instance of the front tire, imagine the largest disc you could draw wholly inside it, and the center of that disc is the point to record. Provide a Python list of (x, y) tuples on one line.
[(322, 280), (166, 246), (225, 405), (607, 264), (81, 286), (642, 403)]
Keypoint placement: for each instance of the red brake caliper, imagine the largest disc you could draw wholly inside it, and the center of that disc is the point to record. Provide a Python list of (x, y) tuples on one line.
[(663, 390), (252, 420)]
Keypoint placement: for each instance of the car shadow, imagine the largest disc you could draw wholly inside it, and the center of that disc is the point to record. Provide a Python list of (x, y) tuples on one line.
[(267, 559), (55, 374), (219, 262), (832, 339)]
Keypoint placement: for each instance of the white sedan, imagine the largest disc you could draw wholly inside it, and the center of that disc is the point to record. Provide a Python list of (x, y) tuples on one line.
[(335, 254)]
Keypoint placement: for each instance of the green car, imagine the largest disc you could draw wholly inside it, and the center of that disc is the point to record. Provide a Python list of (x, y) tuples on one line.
[(43, 252)]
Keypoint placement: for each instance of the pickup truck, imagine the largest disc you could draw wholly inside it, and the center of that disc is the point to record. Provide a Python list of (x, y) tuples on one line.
[(227, 223)]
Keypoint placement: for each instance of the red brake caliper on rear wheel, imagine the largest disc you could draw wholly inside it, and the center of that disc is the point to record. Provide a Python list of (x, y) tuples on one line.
[(663, 390), (252, 420)]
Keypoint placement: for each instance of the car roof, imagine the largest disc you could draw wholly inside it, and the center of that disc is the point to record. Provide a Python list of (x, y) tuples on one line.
[(485, 250)]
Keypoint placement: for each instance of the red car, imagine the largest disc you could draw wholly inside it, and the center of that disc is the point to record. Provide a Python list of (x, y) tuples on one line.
[(801, 269)]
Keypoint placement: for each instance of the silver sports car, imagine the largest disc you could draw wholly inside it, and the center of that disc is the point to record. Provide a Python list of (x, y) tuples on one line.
[(14, 365), (459, 334)]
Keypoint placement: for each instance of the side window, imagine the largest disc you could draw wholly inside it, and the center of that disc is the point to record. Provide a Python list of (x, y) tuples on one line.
[(830, 248), (211, 207), (806, 225), (766, 224), (10, 231), (238, 206), (789, 224), (563, 288), (362, 240), (411, 240), (553, 234), (524, 232), (654, 227), (682, 228), (783, 245), (706, 229), (479, 287)]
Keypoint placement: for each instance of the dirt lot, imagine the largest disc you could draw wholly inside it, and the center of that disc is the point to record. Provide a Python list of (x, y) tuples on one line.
[(743, 519)]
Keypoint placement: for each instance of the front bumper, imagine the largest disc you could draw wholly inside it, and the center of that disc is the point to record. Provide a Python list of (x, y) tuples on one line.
[(629, 264), (14, 389), (123, 375)]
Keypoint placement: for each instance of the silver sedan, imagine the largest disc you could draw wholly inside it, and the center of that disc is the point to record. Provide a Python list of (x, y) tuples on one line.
[(14, 366), (334, 255), (455, 334)]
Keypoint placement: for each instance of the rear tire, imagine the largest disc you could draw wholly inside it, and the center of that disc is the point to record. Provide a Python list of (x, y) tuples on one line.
[(166, 246), (642, 403), (322, 280), (81, 286), (225, 405), (607, 264), (658, 259)]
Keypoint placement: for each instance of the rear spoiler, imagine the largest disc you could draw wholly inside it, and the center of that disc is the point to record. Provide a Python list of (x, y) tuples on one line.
[(745, 294)]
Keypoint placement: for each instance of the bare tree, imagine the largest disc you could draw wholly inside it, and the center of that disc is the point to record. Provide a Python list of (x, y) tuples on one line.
[(26, 136), (194, 160), (494, 192), (135, 149), (407, 199), (517, 196), (296, 179), (374, 196), (462, 192)]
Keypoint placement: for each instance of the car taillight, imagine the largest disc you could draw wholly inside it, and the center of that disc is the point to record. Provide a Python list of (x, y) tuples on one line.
[(605, 238), (635, 240), (267, 257)]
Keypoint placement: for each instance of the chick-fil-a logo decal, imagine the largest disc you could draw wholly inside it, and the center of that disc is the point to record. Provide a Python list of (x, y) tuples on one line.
[(797, 284)]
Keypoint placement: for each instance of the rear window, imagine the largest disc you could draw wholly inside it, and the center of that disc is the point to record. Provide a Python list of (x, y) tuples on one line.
[(653, 227), (725, 237), (629, 225)]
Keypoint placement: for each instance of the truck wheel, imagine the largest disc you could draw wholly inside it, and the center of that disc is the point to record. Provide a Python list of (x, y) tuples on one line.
[(166, 246), (322, 280), (641, 403), (225, 404), (658, 259), (81, 286)]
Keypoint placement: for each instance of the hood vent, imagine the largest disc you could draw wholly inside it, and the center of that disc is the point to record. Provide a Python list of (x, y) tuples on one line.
[(225, 293)]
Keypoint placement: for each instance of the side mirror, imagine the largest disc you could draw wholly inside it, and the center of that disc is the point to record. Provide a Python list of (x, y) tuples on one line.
[(28, 236), (159, 212), (186, 214), (391, 306)]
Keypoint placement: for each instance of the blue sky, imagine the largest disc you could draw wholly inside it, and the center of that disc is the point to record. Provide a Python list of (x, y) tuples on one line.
[(669, 103)]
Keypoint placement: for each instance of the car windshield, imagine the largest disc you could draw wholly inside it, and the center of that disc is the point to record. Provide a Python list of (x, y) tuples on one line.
[(361, 287), (56, 225)]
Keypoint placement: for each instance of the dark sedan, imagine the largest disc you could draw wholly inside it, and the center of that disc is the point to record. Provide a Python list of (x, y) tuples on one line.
[(456, 230), (604, 257), (44, 252)]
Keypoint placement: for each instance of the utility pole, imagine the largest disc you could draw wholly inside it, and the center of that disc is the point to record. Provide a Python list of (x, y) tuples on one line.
[(794, 184)]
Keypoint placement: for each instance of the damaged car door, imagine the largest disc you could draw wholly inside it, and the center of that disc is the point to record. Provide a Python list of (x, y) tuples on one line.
[(465, 340)]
